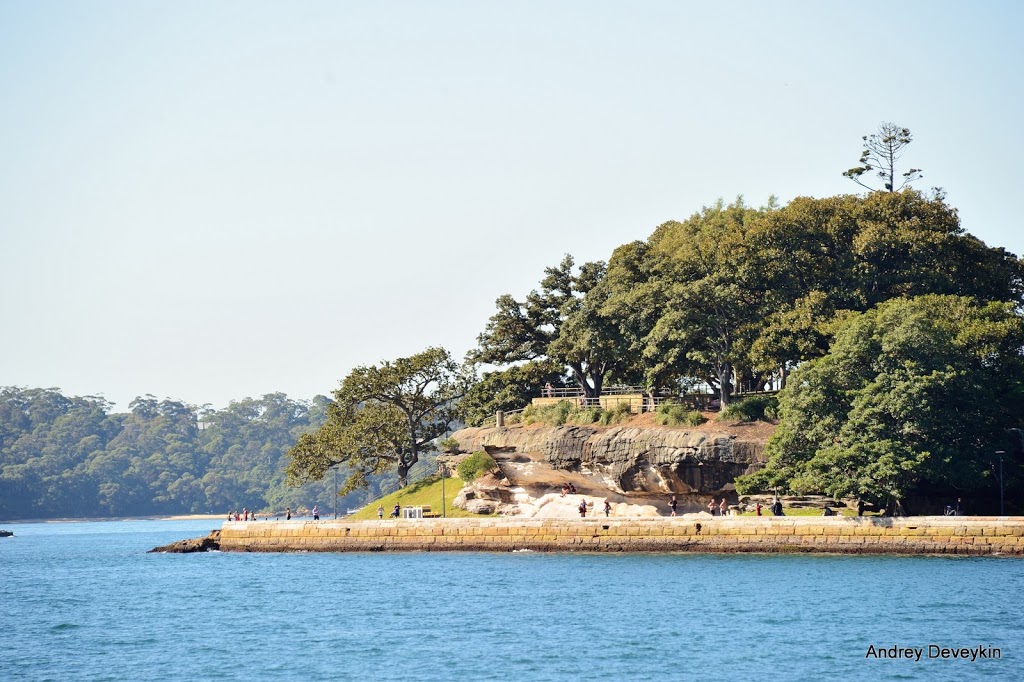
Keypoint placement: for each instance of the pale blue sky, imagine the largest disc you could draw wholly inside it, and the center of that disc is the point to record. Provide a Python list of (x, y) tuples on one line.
[(211, 200)]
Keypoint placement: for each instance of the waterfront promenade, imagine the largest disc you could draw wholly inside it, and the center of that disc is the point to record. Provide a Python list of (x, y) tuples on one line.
[(959, 535)]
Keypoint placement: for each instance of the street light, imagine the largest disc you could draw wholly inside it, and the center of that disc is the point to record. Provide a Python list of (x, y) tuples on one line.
[(441, 468), (1002, 508)]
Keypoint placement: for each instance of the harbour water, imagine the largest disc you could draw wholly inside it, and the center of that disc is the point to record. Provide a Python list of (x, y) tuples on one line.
[(84, 601)]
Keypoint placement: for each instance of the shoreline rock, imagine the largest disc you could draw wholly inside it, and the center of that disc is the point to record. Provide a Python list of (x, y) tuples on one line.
[(211, 543)]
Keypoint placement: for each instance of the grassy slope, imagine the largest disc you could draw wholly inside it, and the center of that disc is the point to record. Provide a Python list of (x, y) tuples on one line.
[(425, 492)]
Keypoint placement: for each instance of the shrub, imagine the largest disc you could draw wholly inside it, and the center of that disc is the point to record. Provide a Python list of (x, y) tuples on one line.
[(751, 409), (476, 464), (584, 416), (621, 412), (449, 445), (552, 415), (674, 414)]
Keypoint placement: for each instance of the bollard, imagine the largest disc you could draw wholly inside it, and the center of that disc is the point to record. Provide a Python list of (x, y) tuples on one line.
[(499, 419)]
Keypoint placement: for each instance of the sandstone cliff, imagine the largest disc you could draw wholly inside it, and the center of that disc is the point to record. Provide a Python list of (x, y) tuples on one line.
[(636, 464)]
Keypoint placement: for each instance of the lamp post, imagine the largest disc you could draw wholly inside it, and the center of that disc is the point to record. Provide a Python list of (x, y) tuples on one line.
[(335, 492), (444, 511), (1002, 508)]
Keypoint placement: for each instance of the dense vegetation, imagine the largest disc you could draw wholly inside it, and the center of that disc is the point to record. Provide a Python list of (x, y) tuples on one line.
[(66, 456), (898, 339), (896, 334), (736, 294)]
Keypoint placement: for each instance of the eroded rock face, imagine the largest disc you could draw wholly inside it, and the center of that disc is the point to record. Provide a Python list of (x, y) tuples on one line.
[(626, 460)]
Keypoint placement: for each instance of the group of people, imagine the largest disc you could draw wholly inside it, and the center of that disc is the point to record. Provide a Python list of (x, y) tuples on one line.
[(584, 507), (244, 516), (723, 508), (395, 512), (568, 489)]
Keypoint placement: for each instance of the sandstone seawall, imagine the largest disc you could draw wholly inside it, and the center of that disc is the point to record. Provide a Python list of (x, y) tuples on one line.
[(975, 536)]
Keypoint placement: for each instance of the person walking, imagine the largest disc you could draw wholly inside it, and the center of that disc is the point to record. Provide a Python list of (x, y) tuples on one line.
[(860, 507), (711, 507), (607, 508), (287, 513), (672, 505), (758, 508), (380, 513), (583, 509), (723, 508), (316, 513)]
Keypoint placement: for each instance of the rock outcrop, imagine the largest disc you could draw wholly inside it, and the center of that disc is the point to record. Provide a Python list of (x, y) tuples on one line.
[(210, 543), (639, 466)]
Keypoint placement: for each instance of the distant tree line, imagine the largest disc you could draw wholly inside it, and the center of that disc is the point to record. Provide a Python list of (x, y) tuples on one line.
[(63, 456)]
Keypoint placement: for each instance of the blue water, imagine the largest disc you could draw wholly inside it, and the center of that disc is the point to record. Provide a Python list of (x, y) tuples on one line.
[(84, 601)]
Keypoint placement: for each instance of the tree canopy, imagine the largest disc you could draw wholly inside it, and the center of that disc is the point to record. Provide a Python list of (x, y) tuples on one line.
[(383, 417), (564, 322), (914, 393), (73, 456)]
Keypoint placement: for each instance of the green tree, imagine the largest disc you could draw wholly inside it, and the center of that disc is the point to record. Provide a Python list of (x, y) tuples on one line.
[(689, 300), (882, 150), (914, 394), (564, 322), (510, 389), (384, 417), (822, 258)]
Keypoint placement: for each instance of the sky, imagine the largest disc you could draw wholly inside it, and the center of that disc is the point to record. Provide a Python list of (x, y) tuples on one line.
[(206, 201)]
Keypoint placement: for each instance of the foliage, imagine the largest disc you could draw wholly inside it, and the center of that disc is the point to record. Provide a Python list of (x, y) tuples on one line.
[(881, 151), (584, 416), (674, 414), (72, 457), (384, 416), (566, 412), (916, 393), (620, 413), (554, 414), (752, 293), (750, 409), (475, 465), (449, 445), (510, 389), (563, 323), (707, 288)]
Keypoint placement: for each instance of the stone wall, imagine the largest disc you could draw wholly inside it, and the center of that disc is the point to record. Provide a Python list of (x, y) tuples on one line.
[(691, 533)]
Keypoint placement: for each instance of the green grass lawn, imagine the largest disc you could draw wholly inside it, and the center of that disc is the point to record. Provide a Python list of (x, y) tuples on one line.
[(420, 493), (808, 511)]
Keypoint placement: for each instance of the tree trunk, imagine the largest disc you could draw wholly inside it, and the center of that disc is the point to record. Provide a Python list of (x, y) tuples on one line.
[(581, 379), (725, 384), (598, 380)]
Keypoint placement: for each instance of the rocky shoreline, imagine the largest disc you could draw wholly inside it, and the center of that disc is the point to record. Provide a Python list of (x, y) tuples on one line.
[(211, 543)]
